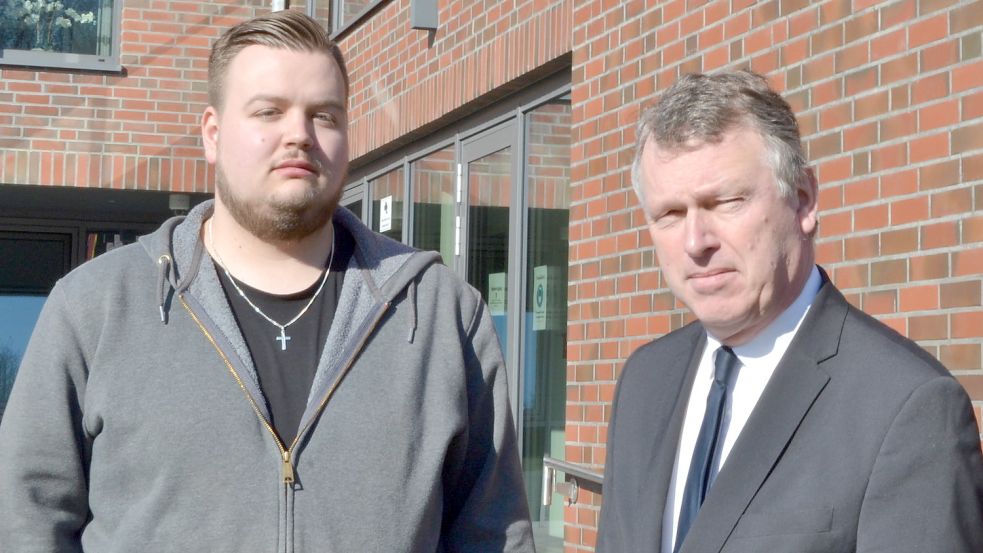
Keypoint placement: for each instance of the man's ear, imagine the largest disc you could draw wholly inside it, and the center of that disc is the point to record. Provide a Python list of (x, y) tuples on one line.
[(209, 133), (807, 201)]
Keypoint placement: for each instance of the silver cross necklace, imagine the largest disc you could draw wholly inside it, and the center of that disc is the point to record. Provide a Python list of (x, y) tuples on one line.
[(282, 338)]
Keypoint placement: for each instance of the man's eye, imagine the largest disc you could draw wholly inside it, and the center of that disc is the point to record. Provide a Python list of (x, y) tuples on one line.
[(267, 113), (326, 119), (668, 217), (730, 203)]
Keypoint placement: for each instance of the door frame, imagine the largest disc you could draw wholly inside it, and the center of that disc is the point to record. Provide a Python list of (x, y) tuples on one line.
[(484, 143)]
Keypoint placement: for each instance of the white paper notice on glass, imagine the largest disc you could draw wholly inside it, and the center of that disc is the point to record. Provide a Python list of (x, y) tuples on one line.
[(386, 214), (496, 293)]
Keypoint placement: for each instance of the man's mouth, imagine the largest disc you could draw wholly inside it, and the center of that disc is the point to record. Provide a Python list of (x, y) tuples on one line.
[(710, 273), (298, 163), (709, 281), (296, 168)]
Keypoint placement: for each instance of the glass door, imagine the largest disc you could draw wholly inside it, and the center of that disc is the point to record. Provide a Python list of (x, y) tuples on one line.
[(546, 176), (488, 176), (514, 210)]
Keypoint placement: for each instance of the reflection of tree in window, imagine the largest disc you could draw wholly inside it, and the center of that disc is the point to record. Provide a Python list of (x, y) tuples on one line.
[(73, 26)]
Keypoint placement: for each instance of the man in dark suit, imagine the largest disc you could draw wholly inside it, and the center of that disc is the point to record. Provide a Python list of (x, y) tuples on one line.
[(783, 419)]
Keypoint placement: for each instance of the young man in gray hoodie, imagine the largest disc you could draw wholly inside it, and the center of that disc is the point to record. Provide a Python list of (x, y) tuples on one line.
[(265, 374)]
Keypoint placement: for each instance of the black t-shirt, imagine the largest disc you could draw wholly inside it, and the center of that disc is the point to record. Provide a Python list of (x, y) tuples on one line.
[(286, 368)]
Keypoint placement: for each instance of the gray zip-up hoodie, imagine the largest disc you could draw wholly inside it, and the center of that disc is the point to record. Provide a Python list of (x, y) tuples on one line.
[(136, 423)]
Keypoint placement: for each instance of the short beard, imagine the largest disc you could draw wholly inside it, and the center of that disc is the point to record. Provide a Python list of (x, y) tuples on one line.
[(278, 221)]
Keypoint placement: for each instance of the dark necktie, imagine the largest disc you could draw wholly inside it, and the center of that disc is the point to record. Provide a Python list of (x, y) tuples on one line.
[(698, 480)]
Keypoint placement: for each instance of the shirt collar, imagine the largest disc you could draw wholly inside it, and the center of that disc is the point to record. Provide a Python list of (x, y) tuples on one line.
[(776, 337)]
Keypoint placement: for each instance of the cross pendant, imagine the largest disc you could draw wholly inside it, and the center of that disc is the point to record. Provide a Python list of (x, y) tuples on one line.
[(283, 338)]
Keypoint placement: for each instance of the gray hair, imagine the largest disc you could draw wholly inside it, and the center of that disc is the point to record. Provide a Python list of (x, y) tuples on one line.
[(285, 29), (701, 108)]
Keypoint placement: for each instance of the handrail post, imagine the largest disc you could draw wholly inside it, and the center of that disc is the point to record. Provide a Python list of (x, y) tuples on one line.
[(549, 480), (575, 477)]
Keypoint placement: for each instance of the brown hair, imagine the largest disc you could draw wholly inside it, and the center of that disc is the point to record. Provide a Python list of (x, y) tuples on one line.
[(701, 108), (286, 29)]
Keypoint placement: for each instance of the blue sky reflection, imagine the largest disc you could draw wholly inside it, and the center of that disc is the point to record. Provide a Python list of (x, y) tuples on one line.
[(18, 315)]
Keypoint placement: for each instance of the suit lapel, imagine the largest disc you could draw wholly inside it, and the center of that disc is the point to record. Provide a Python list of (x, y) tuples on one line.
[(796, 383), (663, 457)]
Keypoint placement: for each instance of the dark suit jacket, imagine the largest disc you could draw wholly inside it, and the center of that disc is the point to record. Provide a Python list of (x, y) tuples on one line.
[(860, 442)]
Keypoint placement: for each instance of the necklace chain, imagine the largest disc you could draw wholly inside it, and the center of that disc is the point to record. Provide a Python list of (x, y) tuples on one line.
[(282, 338)]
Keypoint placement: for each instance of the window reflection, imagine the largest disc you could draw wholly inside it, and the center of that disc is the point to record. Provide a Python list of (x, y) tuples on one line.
[(68, 26), (387, 204), (30, 264), (433, 181), (489, 190), (349, 10), (544, 369), (20, 314)]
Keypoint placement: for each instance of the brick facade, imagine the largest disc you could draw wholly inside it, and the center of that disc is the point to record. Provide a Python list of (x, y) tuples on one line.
[(890, 102)]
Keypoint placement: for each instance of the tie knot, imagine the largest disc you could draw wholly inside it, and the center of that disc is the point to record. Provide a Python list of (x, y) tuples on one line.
[(724, 364)]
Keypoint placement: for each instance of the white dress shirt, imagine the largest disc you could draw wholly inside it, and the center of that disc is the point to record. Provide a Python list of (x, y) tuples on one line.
[(758, 358)]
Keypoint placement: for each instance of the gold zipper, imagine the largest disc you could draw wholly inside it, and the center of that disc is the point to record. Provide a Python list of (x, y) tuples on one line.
[(348, 365), (288, 470), (285, 452)]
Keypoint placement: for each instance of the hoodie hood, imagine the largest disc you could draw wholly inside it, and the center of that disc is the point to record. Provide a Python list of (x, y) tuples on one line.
[(387, 266), (378, 273)]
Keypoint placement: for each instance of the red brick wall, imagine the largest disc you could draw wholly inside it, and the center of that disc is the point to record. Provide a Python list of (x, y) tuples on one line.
[(134, 130), (404, 79), (890, 100)]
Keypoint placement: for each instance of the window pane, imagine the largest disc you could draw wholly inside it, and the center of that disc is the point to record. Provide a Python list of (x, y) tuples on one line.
[(23, 287), (433, 181), (387, 204), (348, 10), (544, 367), (20, 314), (50, 256), (489, 191), (61, 26), (356, 208)]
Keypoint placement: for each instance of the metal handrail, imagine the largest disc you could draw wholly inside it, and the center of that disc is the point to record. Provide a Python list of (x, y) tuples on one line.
[(575, 477)]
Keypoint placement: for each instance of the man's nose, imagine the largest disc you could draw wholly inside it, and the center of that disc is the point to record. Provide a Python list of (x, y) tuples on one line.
[(299, 132), (700, 236)]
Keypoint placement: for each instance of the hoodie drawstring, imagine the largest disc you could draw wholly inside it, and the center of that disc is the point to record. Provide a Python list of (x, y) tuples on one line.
[(412, 293), (163, 268), (167, 277)]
